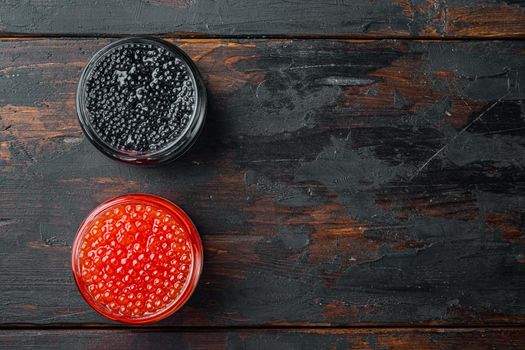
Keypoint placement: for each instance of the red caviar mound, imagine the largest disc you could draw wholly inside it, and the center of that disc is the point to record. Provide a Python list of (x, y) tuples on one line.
[(137, 258)]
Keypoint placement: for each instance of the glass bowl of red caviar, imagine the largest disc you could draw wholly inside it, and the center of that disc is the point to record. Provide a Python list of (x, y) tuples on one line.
[(137, 258)]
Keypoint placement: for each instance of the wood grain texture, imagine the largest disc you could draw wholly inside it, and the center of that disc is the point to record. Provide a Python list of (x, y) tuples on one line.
[(360, 339), (336, 182), (379, 18)]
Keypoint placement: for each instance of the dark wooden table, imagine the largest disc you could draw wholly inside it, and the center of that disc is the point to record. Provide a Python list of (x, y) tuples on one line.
[(360, 182)]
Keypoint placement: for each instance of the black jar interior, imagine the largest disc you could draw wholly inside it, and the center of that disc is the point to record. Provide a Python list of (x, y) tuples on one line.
[(141, 101)]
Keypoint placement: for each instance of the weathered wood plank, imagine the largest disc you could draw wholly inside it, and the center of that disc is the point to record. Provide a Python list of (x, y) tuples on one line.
[(402, 18), (336, 182), (364, 339)]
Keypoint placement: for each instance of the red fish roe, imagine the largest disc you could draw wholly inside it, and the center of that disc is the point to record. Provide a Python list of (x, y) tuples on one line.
[(137, 258)]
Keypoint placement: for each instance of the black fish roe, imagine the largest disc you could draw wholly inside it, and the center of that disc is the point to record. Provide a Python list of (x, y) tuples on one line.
[(140, 97)]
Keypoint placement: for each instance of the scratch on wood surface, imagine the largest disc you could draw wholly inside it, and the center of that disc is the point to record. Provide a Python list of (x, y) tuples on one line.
[(425, 164), (317, 66), (63, 316), (407, 7), (138, 11), (219, 15), (257, 89), (50, 240), (344, 81), (446, 19), (503, 131), (72, 140), (172, 3), (460, 95), (6, 222), (205, 53)]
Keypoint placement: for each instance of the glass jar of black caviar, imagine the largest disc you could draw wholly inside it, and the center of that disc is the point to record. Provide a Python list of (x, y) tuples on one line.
[(141, 101)]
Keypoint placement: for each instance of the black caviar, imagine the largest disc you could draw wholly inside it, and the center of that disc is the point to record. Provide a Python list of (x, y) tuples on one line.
[(140, 97)]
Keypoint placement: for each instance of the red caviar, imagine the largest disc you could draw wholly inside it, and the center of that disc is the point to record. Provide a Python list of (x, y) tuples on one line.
[(137, 258)]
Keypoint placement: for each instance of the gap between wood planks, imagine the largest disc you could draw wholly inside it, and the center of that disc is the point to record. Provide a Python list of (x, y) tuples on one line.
[(249, 328), (183, 35)]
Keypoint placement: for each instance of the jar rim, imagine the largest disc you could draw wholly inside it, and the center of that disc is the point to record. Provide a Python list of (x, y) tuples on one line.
[(172, 150), (180, 216)]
